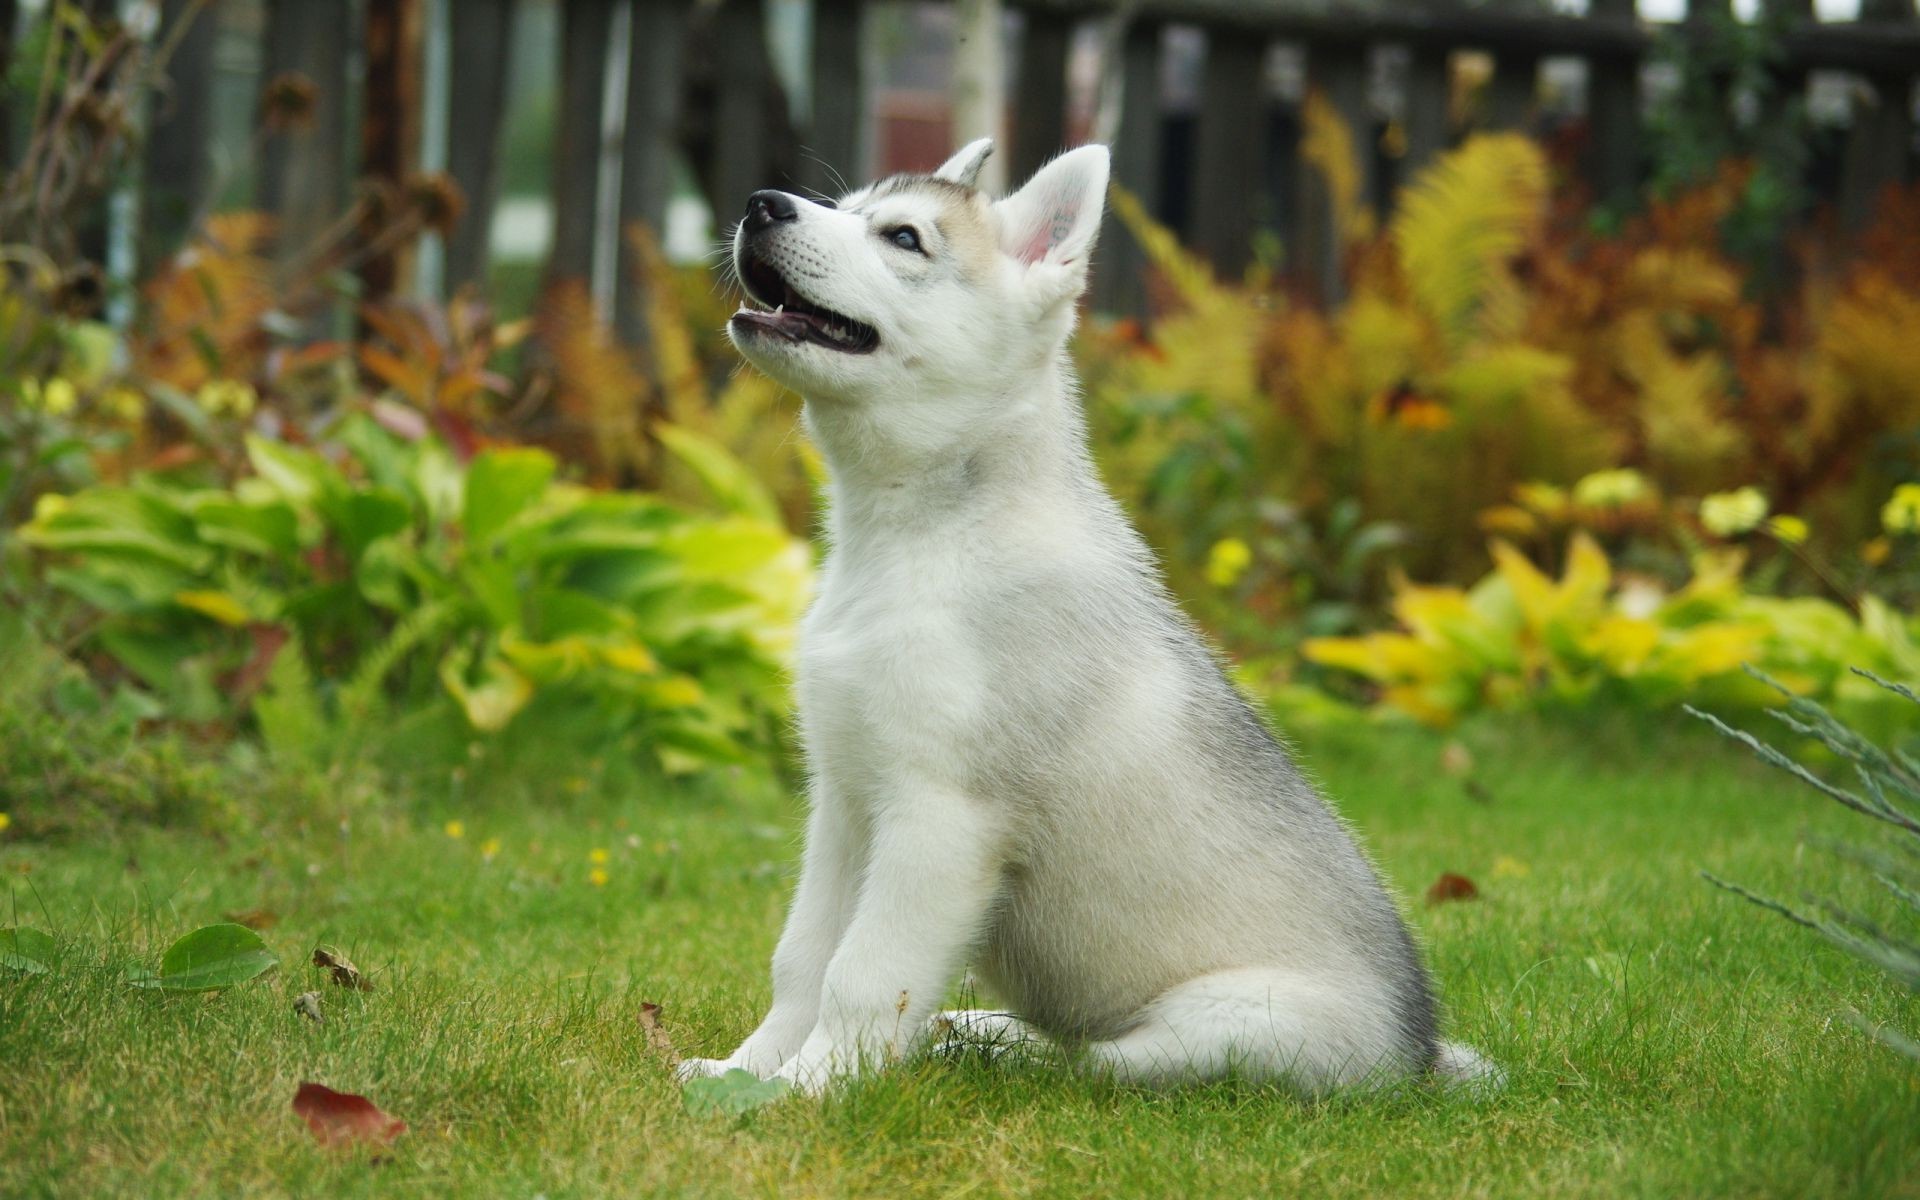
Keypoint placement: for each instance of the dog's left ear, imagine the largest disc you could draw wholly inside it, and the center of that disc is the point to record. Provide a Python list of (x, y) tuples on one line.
[(964, 167), (1051, 223)]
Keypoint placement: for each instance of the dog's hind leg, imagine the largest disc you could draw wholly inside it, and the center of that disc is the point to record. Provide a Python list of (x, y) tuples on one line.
[(1313, 1033)]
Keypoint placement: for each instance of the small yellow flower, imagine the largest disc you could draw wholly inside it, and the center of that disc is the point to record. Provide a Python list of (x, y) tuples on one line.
[(56, 397), (1542, 498), (1227, 561), (1902, 511), (456, 829), (5, 821), (1877, 551), (597, 856), (490, 849), (1611, 489), (1789, 529), (1728, 514), (226, 397), (598, 877), (123, 404)]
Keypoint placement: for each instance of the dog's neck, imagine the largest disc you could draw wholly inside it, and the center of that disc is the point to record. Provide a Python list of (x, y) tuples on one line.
[(913, 467)]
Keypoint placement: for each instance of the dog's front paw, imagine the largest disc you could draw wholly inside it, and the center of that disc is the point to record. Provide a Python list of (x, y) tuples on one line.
[(701, 1068)]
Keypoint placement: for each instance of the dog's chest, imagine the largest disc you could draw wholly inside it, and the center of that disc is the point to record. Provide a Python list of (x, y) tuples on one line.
[(890, 670)]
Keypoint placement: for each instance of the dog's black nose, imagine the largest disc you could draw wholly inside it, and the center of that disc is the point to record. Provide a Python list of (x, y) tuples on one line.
[(764, 208)]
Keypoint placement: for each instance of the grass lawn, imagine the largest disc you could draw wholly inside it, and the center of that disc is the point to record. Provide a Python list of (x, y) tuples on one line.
[(1663, 1038)]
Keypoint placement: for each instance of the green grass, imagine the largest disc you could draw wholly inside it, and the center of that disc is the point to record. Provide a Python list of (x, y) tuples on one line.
[(1663, 1037)]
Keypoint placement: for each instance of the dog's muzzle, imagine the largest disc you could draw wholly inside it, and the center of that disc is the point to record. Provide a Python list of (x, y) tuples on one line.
[(768, 208)]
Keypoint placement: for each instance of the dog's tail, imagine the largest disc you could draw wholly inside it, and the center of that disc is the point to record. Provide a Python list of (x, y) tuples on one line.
[(1461, 1066)]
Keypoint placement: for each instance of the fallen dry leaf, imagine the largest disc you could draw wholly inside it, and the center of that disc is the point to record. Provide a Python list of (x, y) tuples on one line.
[(255, 918), (1452, 887), (657, 1034), (344, 972), (307, 1004), (341, 1118)]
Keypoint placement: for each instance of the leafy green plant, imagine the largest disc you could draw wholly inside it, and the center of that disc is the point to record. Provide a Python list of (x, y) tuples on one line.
[(375, 585), (26, 951), (1889, 789), (1520, 638)]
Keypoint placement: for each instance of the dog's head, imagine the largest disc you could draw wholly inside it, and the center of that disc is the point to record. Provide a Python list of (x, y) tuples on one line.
[(919, 285)]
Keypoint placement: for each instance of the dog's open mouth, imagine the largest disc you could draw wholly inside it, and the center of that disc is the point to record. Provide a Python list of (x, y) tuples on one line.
[(794, 317)]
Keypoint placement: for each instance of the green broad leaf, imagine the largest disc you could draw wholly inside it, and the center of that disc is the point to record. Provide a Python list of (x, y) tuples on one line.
[(26, 951), (299, 475), (269, 530), (501, 484), (361, 518), (726, 478), (492, 701), (210, 958), (735, 1094)]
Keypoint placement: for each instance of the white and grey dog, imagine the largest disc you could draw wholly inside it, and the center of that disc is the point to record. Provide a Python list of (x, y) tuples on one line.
[(1023, 757)]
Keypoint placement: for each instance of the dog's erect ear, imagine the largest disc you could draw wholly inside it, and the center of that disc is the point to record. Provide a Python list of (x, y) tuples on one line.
[(964, 167), (1053, 220)]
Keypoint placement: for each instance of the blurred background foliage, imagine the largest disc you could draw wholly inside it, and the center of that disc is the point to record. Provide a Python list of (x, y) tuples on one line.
[(1541, 453)]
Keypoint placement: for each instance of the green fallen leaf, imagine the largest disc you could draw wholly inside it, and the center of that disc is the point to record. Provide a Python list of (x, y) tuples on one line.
[(28, 951), (208, 959), (734, 1094)]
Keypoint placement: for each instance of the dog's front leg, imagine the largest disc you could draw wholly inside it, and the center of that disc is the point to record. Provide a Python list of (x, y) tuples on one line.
[(934, 866), (822, 905)]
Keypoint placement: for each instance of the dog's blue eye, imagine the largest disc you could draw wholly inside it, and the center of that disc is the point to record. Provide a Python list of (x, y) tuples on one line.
[(904, 237)]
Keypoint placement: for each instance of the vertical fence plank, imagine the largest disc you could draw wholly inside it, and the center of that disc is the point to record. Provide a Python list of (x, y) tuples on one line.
[(1337, 71), (1613, 114), (837, 160), (304, 171), (1880, 141), (390, 122), (1228, 161), (585, 29), (1426, 118), (476, 103), (176, 172), (1040, 110), (9, 20), (742, 162), (647, 150), (1119, 278), (1513, 90)]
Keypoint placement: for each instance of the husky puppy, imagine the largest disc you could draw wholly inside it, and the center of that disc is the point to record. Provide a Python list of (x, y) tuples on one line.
[(1023, 757)]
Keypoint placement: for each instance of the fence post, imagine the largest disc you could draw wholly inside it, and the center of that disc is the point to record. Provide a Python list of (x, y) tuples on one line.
[(1119, 277), (390, 123), (1426, 118), (1880, 140), (585, 29), (1338, 72), (1040, 113), (1228, 161), (1613, 114), (479, 31), (303, 176), (838, 160), (648, 146), (741, 158), (176, 170)]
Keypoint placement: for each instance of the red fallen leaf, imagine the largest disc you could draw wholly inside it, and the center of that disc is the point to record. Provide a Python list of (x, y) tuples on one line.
[(1452, 887), (340, 1118)]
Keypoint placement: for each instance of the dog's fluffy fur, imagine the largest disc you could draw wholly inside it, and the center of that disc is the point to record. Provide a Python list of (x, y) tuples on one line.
[(1023, 757)]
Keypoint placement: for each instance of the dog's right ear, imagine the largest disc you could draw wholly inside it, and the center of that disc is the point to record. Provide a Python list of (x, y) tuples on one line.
[(1050, 224), (964, 167)]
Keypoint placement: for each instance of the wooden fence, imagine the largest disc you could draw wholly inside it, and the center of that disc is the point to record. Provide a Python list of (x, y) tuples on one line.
[(700, 84)]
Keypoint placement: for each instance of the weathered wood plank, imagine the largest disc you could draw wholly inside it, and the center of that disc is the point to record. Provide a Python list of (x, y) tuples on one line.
[(303, 171), (480, 32), (1427, 119), (1337, 71), (1228, 168), (1040, 93), (177, 169), (1613, 115), (586, 27), (1119, 275), (389, 126), (1879, 145), (836, 159), (649, 144)]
